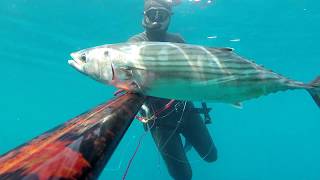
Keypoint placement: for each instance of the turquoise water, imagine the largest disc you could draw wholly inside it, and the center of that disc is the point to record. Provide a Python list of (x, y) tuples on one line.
[(273, 137)]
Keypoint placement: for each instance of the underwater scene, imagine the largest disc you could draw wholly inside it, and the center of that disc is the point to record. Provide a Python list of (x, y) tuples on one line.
[(272, 136)]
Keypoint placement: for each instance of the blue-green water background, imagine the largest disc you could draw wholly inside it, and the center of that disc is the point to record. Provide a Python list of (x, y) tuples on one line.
[(273, 137)]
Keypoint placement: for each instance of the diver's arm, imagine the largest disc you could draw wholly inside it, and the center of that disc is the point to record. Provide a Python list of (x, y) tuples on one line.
[(138, 38), (180, 39), (170, 37), (175, 38)]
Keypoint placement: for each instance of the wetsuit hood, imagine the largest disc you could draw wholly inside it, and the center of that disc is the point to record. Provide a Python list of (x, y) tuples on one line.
[(157, 4), (157, 15)]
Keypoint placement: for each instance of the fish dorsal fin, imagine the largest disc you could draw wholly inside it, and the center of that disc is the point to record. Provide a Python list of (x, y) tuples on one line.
[(225, 49), (217, 50)]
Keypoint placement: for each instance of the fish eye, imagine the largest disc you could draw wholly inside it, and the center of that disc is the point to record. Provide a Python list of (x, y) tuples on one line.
[(83, 57), (106, 53)]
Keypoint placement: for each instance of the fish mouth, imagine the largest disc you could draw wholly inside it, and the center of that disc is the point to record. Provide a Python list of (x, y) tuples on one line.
[(76, 62), (76, 57)]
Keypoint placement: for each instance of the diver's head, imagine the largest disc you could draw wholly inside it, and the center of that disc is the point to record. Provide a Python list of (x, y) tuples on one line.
[(157, 15)]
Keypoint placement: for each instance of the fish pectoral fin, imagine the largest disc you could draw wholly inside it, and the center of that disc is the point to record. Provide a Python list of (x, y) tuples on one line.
[(238, 105), (130, 68)]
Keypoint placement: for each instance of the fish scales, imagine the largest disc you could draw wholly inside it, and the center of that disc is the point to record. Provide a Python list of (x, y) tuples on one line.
[(193, 63), (183, 71), (196, 63)]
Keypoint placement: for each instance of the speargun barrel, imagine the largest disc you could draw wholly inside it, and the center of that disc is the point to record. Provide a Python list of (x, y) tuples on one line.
[(77, 149)]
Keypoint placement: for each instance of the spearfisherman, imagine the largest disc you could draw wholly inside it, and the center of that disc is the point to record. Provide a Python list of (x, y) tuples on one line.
[(172, 117)]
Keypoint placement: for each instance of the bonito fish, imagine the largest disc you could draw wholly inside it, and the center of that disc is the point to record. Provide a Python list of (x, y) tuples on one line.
[(184, 72)]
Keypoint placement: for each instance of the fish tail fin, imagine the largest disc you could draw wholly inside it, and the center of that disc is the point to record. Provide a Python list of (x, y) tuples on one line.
[(315, 90)]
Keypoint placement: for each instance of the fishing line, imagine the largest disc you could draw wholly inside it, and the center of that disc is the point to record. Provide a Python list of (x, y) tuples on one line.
[(123, 154), (171, 135), (133, 156), (191, 162), (135, 152), (154, 118), (176, 128)]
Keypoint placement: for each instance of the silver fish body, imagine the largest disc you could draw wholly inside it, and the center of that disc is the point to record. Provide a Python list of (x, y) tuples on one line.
[(181, 71)]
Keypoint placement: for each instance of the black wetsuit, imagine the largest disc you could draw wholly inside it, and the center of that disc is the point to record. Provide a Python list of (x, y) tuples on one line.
[(172, 122)]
